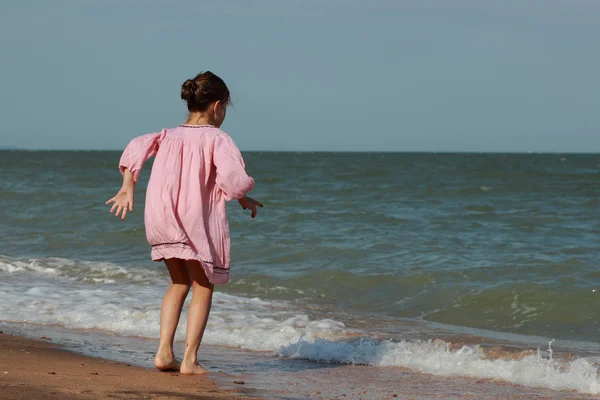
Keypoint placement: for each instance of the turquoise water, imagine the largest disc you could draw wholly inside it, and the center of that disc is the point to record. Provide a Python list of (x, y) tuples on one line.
[(399, 246), (500, 242)]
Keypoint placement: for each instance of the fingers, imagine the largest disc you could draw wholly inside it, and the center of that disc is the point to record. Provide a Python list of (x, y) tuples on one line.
[(253, 205), (110, 201), (256, 202), (131, 206), (124, 213), (113, 207)]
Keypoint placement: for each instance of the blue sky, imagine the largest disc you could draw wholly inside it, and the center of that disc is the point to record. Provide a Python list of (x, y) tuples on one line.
[(427, 75)]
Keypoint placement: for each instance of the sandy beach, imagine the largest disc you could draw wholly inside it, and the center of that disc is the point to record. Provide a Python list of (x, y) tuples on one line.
[(37, 369), (41, 369)]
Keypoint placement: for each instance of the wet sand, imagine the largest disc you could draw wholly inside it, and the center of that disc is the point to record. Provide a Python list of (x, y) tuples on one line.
[(36, 369), (363, 382)]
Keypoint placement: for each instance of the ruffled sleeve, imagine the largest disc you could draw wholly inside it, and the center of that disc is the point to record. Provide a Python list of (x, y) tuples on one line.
[(231, 174), (138, 151)]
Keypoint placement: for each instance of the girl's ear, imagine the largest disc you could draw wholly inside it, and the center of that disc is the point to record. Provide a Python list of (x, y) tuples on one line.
[(216, 106)]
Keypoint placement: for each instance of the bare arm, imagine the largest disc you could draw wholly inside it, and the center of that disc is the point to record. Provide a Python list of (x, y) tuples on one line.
[(136, 153), (123, 200)]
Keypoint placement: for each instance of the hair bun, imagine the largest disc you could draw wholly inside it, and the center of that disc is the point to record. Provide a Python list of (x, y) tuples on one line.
[(188, 89), (202, 90)]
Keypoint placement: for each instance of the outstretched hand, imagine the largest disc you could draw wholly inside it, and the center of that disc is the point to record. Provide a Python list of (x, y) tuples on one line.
[(123, 202), (249, 203)]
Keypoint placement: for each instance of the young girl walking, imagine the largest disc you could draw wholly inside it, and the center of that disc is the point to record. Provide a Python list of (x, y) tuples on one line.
[(197, 169)]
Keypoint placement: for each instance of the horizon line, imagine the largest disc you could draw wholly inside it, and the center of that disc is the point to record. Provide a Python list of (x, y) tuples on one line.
[(19, 149)]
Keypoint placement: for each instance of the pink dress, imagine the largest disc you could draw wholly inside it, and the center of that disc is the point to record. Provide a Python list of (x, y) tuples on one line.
[(197, 169)]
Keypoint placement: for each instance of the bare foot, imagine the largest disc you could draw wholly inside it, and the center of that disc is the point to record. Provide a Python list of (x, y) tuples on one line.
[(192, 369), (166, 362)]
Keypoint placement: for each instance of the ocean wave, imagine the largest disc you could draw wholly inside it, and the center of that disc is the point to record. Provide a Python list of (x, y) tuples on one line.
[(134, 310), (524, 308), (439, 358), (472, 298), (278, 327), (81, 271)]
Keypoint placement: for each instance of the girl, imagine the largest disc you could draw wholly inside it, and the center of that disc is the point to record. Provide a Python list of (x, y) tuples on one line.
[(196, 170)]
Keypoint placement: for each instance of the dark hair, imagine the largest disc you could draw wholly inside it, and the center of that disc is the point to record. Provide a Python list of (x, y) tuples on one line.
[(204, 89)]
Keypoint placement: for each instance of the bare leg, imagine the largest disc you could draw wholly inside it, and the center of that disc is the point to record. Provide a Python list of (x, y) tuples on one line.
[(197, 317), (170, 312)]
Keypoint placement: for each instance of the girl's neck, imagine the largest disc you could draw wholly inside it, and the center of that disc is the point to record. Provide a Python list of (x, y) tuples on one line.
[(199, 119)]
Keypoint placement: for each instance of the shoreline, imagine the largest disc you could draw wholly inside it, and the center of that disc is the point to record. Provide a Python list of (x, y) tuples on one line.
[(40, 369), (45, 369)]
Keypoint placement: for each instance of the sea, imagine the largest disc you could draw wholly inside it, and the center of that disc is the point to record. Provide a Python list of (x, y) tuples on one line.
[(483, 266)]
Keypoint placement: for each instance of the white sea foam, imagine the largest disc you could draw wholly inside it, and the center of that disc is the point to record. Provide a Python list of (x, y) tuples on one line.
[(437, 358), (84, 271), (34, 291), (259, 287)]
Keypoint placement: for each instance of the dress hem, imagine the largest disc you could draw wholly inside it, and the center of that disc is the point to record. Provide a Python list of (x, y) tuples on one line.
[(167, 252)]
